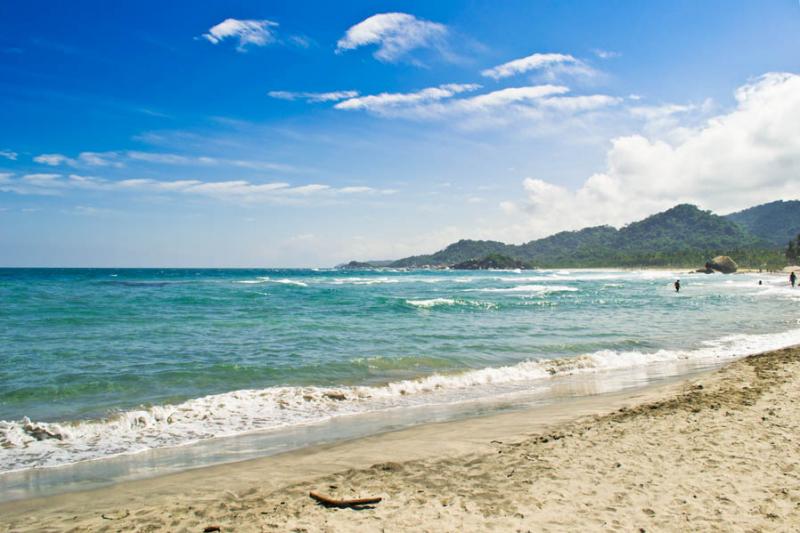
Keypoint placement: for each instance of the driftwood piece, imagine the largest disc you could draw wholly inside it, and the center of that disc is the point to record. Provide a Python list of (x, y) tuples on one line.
[(211, 529), (333, 502), (115, 516)]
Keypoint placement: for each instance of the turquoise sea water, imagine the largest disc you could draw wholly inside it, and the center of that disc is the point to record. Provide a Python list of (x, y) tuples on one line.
[(98, 362)]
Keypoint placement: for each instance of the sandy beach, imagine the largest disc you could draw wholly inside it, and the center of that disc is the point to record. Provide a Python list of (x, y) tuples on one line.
[(716, 452)]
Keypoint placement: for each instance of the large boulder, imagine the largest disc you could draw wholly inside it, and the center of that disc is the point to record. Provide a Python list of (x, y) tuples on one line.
[(724, 264)]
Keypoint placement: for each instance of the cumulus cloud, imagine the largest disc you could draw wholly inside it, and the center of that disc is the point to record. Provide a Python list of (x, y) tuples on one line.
[(8, 154), (395, 34), (333, 96), (746, 156), (246, 32), (551, 65)]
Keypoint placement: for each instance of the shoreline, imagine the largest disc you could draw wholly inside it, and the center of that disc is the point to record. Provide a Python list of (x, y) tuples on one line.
[(566, 395), (447, 475)]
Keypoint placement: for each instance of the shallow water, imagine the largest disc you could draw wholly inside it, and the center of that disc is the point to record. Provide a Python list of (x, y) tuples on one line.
[(101, 363)]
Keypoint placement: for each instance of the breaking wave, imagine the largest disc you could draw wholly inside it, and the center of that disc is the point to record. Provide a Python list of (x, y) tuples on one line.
[(449, 302), (29, 444), (527, 288), (266, 279)]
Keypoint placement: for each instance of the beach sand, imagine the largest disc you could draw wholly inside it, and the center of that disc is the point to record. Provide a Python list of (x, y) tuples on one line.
[(717, 452)]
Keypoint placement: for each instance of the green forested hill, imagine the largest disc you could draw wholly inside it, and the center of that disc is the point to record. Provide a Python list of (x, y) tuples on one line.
[(569, 247), (458, 252), (776, 222), (682, 236)]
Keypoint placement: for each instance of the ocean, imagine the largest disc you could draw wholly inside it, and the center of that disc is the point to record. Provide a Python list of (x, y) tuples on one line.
[(110, 374)]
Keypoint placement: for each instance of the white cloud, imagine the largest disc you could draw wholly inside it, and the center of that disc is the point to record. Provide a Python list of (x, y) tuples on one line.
[(98, 159), (8, 154), (301, 40), (52, 159), (118, 160), (248, 32), (42, 179), (380, 103), (605, 54), (660, 111), (170, 159), (333, 96), (511, 95), (744, 157), (91, 159), (88, 210), (44, 184), (395, 34), (356, 190), (574, 104), (672, 122), (549, 64), (241, 190), (308, 189), (535, 104), (161, 158), (86, 182)]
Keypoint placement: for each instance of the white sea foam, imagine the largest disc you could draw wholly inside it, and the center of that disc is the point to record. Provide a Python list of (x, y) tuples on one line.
[(28, 444), (364, 281), (257, 281), (527, 288), (447, 302), (433, 302), (267, 279), (290, 282)]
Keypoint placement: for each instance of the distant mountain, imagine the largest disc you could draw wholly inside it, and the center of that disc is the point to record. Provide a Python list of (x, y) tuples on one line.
[(685, 227), (458, 252), (569, 247), (356, 265), (775, 222), (682, 236)]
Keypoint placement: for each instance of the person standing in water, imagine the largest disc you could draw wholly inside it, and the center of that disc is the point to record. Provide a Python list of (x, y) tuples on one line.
[(793, 278), (677, 285)]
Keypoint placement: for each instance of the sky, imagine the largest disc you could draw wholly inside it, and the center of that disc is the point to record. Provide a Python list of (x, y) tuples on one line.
[(306, 134)]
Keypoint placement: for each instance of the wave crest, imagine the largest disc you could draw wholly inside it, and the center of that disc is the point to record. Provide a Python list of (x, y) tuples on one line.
[(28, 444)]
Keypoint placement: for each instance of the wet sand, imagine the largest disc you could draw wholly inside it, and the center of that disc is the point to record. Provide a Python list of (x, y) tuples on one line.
[(717, 452)]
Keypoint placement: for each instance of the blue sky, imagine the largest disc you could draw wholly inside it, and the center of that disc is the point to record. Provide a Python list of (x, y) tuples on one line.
[(309, 133)]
